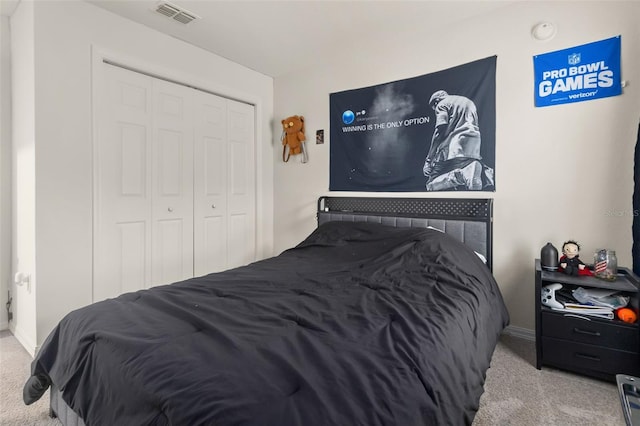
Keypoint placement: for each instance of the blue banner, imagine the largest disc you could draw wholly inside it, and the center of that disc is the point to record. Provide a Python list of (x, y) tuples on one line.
[(580, 73), (434, 132)]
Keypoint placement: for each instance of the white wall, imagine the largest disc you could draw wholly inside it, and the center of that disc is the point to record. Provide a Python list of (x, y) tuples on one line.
[(23, 163), (5, 167), (562, 172), (66, 36)]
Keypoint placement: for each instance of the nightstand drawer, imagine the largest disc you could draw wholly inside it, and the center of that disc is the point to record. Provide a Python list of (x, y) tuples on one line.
[(579, 356), (612, 335)]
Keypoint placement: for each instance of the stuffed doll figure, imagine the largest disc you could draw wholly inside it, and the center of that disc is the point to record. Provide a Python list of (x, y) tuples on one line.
[(570, 262), (293, 138)]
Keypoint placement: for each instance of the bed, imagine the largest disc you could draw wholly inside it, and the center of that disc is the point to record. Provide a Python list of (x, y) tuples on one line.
[(386, 314)]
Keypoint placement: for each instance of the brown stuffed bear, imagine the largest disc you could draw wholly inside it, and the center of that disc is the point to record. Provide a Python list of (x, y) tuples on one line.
[(293, 137)]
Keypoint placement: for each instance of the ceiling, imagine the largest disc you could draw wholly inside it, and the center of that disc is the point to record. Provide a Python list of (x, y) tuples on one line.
[(279, 37)]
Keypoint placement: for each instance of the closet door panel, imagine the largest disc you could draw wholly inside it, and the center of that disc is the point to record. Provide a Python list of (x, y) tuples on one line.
[(169, 251), (122, 237), (210, 185), (213, 254), (171, 165), (133, 158), (172, 176), (241, 183), (133, 252), (240, 241), (174, 183)]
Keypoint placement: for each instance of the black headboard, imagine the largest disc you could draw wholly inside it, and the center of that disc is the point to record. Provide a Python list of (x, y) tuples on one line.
[(469, 220)]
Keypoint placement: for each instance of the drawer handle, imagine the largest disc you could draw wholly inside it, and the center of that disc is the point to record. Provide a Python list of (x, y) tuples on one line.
[(589, 357), (590, 333)]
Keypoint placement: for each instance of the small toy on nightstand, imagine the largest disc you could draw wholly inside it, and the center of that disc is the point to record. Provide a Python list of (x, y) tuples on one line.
[(570, 262)]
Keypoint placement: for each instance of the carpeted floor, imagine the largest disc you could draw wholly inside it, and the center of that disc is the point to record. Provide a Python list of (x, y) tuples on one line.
[(516, 393), (15, 363)]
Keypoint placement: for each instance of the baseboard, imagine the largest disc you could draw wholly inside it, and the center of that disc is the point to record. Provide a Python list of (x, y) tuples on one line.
[(522, 333), (24, 340)]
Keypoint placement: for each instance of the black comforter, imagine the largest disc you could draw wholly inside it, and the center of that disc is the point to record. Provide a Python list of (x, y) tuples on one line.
[(360, 324)]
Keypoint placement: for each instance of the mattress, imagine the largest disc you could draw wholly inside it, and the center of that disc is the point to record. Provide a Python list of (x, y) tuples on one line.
[(360, 324)]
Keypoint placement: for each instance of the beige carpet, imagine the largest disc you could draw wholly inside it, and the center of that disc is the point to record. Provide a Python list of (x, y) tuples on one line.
[(15, 363), (516, 393)]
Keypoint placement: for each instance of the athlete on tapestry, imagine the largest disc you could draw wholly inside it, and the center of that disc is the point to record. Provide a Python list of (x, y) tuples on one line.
[(453, 161)]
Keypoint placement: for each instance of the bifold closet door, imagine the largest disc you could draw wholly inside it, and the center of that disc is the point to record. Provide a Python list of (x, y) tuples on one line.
[(224, 188), (241, 192), (122, 207), (143, 185), (172, 183)]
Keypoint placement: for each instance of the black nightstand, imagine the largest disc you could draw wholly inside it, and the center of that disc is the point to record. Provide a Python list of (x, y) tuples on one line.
[(591, 346)]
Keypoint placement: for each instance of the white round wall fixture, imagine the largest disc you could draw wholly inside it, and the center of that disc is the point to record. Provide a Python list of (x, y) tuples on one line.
[(543, 31)]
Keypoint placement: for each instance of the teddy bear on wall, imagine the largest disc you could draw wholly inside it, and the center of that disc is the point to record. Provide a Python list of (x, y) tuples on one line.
[(293, 138)]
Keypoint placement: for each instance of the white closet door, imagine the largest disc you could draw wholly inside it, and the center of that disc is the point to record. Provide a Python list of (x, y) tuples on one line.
[(241, 192), (172, 177), (210, 185), (122, 237), (175, 183), (144, 183), (224, 199)]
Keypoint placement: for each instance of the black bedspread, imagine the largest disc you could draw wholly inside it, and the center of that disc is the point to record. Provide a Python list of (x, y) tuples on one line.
[(360, 324)]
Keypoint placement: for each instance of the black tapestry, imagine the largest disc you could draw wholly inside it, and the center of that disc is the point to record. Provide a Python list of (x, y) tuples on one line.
[(434, 132)]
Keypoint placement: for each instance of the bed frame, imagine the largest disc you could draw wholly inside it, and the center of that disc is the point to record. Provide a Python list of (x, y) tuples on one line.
[(59, 408), (469, 220)]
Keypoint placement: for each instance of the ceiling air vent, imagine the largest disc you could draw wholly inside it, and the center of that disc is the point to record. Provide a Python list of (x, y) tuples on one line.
[(172, 11)]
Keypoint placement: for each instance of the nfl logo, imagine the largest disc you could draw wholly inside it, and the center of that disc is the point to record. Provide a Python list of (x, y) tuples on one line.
[(574, 59)]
